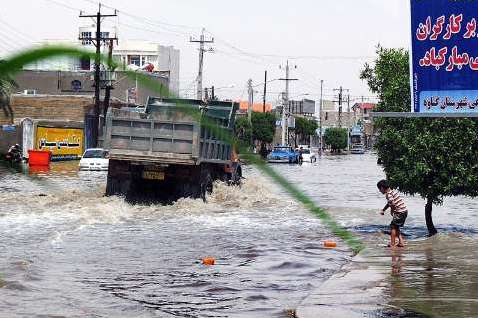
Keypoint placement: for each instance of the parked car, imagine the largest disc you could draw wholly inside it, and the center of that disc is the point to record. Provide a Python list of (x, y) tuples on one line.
[(95, 159), (308, 155), (283, 154)]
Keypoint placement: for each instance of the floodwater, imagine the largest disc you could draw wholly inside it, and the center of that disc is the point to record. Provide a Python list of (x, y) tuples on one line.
[(430, 277), (67, 251)]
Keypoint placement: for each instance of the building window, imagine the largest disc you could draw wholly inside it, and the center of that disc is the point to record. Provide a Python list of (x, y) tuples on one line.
[(76, 85), (134, 59), (326, 116), (85, 63), (143, 60), (86, 38)]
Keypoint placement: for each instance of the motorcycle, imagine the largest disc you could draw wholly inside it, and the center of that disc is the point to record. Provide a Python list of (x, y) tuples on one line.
[(14, 156)]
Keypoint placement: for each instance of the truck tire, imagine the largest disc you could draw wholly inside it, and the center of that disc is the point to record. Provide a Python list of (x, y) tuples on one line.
[(236, 178), (113, 186), (206, 184)]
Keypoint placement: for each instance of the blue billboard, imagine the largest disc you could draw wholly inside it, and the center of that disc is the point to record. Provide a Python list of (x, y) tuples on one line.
[(444, 75)]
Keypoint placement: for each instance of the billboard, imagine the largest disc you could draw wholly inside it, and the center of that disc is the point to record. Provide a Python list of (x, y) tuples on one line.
[(64, 143), (444, 74)]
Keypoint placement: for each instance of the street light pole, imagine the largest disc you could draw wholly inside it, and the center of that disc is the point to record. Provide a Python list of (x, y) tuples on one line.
[(320, 116)]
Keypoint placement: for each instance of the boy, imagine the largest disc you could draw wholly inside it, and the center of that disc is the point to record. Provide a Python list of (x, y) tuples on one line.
[(398, 210)]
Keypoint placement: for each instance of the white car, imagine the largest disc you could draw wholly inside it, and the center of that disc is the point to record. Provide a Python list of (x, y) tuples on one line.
[(308, 156), (95, 159)]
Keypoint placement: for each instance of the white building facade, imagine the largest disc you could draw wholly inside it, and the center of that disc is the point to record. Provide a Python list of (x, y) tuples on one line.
[(164, 59)]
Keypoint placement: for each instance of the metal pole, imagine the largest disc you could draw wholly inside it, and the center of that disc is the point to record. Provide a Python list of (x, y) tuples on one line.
[(320, 116), (265, 91), (250, 101), (201, 57)]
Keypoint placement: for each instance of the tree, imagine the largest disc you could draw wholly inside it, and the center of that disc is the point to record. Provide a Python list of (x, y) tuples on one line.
[(243, 130), (7, 85), (304, 128), (263, 127), (336, 138), (433, 158)]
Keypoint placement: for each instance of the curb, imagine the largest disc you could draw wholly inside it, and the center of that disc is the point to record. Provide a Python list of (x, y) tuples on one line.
[(356, 291)]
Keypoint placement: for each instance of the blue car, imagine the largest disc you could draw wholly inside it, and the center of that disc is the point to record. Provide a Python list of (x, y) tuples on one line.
[(283, 154)]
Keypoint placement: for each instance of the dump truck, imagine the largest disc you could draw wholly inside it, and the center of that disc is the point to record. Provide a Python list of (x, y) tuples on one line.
[(171, 148)]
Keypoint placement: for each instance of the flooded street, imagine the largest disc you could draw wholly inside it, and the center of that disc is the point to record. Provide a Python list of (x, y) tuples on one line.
[(67, 251), (431, 277)]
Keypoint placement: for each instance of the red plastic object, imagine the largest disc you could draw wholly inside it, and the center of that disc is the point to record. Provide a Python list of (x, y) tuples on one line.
[(39, 158)]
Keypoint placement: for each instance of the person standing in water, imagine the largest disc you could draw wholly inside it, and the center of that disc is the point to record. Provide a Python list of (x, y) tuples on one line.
[(398, 210)]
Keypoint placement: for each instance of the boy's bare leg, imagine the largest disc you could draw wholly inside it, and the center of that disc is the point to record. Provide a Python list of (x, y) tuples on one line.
[(400, 238), (393, 237)]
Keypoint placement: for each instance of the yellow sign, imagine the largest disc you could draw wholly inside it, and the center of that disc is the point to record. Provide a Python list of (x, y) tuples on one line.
[(62, 142)]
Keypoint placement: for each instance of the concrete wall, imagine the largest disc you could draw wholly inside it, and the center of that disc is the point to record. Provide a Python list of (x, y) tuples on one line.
[(8, 138), (60, 83), (47, 107)]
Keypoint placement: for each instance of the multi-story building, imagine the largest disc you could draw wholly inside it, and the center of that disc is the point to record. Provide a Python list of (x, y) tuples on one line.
[(163, 59)]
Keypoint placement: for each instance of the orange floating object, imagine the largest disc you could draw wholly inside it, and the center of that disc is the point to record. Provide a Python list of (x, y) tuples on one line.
[(208, 261), (39, 158), (330, 244)]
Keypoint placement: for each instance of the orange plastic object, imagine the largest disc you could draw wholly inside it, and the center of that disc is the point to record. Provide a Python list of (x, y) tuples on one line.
[(38, 169), (330, 244), (208, 261), (39, 158)]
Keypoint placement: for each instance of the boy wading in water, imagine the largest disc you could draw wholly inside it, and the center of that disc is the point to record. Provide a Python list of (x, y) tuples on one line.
[(398, 210)]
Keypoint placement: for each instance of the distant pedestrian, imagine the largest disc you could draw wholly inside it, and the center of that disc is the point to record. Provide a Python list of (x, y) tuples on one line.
[(398, 210)]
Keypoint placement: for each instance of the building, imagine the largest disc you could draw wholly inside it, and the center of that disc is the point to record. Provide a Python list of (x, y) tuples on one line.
[(363, 111), (256, 107), (305, 107), (164, 60), (126, 89)]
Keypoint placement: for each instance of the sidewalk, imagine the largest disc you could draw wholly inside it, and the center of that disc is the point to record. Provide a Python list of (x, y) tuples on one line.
[(357, 291)]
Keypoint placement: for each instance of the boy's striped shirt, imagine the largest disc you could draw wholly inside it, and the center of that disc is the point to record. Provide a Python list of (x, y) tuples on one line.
[(395, 201)]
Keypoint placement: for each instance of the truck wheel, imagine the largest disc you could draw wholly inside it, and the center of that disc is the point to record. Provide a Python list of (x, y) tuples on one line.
[(206, 184), (113, 186), (236, 178)]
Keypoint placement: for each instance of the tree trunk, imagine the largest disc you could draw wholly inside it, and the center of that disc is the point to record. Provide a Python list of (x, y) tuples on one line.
[(428, 218)]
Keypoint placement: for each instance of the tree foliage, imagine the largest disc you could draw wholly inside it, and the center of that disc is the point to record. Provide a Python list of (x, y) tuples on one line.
[(243, 130), (263, 127), (304, 128), (433, 158), (336, 138), (7, 85)]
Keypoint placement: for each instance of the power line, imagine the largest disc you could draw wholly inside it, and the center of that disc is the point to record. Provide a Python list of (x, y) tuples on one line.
[(61, 4)]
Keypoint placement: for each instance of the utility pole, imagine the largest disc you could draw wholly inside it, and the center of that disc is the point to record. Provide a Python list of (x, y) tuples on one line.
[(265, 91), (250, 105), (285, 101), (341, 91), (201, 41), (97, 41), (109, 84), (348, 120), (320, 116)]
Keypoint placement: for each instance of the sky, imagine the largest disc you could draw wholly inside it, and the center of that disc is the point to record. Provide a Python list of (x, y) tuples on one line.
[(322, 39)]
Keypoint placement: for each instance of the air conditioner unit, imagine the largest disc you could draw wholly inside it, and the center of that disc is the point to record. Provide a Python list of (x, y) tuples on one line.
[(29, 92)]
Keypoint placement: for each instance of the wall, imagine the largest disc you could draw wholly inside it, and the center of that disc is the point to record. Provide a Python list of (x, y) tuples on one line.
[(60, 83), (9, 138), (48, 107)]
